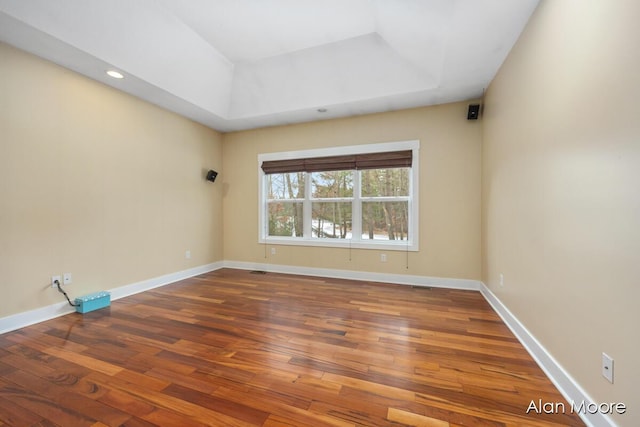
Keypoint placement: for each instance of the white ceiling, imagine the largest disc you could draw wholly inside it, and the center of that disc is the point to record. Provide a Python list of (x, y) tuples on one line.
[(241, 64)]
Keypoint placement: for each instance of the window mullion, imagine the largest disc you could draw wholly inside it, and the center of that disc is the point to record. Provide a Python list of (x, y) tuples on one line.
[(385, 199), (281, 210), (306, 207), (356, 209)]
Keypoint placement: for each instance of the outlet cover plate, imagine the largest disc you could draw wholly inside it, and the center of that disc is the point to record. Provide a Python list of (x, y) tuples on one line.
[(53, 281), (607, 367)]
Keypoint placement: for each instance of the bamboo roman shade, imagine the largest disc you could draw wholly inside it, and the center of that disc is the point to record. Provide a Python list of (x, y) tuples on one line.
[(392, 159)]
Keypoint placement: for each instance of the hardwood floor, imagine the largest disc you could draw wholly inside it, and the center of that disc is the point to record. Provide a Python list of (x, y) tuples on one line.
[(232, 348)]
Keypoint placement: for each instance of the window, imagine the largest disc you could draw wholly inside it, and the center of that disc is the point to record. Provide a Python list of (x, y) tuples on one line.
[(361, 196)]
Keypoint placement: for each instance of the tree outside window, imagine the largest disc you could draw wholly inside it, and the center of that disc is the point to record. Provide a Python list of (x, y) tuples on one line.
[(363, 200)]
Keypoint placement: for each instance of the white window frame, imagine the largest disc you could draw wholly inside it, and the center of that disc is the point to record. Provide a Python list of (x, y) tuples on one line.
[(411, 244)]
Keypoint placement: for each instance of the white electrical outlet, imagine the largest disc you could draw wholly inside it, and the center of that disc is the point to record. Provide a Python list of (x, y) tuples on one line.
[(501, 280), (54, 279), (607, 367), (273, 251), (383, 257), (66, 279), (187, 254)]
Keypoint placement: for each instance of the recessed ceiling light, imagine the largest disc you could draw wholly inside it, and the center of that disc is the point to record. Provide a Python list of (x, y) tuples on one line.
[(322, 110), (115, 74)]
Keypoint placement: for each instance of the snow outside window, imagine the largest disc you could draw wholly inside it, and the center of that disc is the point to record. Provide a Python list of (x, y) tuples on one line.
[(361, 208)]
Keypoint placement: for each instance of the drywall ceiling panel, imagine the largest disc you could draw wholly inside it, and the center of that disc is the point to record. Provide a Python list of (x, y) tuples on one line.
[(238, 64)]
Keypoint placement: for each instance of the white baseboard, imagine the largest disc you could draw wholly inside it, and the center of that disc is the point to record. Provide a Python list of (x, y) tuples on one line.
[(26, 318), (21, 320), (569, 388), (156, 282), (402, 279), (565, 383)]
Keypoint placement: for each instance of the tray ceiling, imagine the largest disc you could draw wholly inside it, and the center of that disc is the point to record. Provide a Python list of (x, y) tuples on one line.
[(241, 64)]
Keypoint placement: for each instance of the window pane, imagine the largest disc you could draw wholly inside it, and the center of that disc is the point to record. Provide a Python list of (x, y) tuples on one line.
[(331, 220), (385, 220), (285, 185), (385, 182), (331, 184), (285, 219)]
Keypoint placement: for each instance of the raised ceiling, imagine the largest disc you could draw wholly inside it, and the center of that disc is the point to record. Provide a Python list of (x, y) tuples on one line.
[(241, 64)]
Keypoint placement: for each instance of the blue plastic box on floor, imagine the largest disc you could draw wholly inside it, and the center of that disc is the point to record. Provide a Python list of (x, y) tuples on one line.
[(93, 302)]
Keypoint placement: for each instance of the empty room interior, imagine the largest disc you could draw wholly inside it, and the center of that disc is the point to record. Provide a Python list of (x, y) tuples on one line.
[(320, 213)]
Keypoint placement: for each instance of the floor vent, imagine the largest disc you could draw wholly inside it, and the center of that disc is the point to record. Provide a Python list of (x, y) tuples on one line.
[(258, 272)]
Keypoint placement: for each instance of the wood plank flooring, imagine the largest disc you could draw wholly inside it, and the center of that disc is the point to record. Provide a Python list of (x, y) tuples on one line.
[(232, 348)]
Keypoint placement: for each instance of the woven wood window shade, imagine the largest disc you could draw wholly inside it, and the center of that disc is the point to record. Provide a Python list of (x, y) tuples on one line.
[(392, 159)]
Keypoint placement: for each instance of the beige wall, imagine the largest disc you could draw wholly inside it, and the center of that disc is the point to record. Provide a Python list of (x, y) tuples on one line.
[(110, 188), (561, 190), (96, 183), (449, 190)]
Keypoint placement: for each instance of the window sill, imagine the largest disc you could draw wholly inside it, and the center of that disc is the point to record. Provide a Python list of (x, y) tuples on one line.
[(400, 245)]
